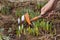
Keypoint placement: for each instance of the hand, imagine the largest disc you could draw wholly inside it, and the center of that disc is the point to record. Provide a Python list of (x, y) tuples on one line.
[(48, 7)]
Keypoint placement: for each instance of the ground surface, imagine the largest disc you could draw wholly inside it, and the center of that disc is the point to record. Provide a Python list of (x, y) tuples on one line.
[(10, 21)]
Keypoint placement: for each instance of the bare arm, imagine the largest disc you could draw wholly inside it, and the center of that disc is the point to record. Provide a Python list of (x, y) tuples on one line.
[(49, 6)]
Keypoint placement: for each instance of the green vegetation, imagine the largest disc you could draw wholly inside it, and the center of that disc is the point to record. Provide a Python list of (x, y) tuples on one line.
[(6, 10), (39, 24), (3, 37), (35, 30), (0, 37)]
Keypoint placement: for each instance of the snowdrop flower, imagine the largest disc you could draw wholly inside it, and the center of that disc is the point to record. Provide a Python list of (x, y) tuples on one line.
[(19, 23), (18, 20), (19, 27), (22, 18)]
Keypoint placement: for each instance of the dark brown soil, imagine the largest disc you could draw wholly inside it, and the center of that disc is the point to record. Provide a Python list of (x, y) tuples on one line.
[(7, 21)]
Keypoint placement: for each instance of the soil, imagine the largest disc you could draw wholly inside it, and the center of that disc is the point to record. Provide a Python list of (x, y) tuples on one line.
[(10, 21)]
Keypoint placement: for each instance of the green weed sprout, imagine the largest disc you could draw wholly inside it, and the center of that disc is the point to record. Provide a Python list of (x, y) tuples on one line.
[(29, 30), (19, 31), (36, 31), (33, 31), (6, 10), (1, 37), (46, 26)]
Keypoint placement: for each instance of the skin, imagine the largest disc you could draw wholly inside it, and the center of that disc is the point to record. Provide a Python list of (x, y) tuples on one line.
[(49, 6)]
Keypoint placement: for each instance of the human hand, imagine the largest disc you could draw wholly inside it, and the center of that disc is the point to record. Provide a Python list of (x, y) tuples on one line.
[(48, 7)]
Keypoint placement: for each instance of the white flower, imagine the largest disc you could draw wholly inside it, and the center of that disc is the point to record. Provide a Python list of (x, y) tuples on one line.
[(22, 18), (18, 20), (19, 27)]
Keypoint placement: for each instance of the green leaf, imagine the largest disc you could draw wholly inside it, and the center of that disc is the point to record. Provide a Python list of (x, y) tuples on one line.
[(1, 37)]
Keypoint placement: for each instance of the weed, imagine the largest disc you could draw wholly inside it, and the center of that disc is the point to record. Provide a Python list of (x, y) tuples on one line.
[(38, 24), (6, 10), (1, 37)]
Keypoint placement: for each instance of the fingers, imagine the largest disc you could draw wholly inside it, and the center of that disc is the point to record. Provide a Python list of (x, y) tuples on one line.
[(50, 14), (47, 7), (43, 10)]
